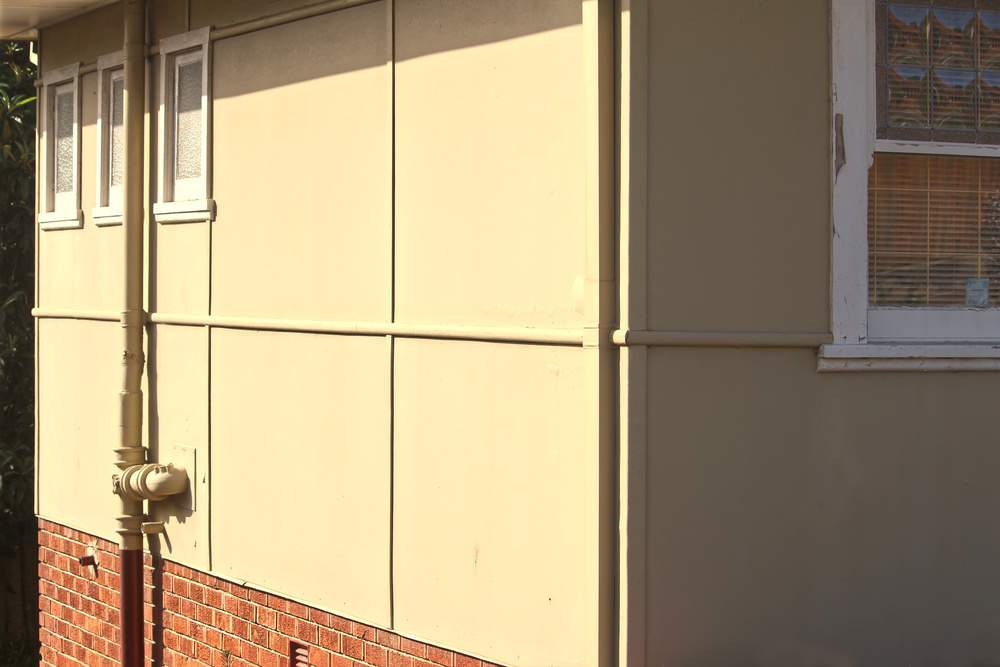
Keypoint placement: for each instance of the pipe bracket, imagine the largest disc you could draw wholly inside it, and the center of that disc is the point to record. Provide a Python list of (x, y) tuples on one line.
[(152, 527)]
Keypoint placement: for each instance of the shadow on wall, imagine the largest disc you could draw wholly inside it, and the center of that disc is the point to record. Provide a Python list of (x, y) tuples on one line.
[(424, 28), (173, 510), (300, 52), (841, 520)]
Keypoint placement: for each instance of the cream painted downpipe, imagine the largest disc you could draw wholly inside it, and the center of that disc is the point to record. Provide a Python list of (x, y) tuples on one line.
[(138, 480), (130, 452)]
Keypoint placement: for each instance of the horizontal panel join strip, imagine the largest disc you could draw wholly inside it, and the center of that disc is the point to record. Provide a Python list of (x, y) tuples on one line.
[(626, 337), (547, 336)]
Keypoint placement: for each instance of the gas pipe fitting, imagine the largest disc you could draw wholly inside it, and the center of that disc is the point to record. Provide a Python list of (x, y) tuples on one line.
[(150, 481)]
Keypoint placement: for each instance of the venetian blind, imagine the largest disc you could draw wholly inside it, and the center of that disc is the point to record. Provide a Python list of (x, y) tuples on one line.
[(934, 231), (938, 70)]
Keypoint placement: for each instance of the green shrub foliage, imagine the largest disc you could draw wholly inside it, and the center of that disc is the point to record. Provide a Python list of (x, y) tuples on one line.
[(17, 209), (18, 585)]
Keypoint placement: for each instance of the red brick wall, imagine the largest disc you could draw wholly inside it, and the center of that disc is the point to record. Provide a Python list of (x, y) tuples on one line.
[(193, 618)]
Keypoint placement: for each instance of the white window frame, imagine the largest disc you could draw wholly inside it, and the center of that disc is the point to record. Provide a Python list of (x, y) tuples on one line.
[(61, 212), (110, 201), (865, 337), (192, 201)]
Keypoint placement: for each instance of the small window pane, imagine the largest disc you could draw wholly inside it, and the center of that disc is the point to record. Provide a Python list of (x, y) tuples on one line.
[(953, 38), (934, 231), (908, 35), (990, 231), (63, 152), (989, 40), (938, 72), (189, 120), (908, 103), (116, 148), (989, 100), (954, 98)]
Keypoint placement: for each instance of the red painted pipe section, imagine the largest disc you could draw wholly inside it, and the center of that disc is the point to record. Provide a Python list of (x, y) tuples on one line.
[(131, 608)]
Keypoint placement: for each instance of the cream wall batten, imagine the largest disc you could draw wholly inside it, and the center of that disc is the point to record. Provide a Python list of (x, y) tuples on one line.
[(653, 338), (542, 336), (550, 336)]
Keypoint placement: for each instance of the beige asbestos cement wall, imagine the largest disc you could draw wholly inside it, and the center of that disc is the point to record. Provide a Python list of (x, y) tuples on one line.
[(396, 164), (793, 518)]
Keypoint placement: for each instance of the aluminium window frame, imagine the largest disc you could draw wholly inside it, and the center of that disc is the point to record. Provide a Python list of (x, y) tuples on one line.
[(200, 207), (50, 215), (883, 338), (107, 211)]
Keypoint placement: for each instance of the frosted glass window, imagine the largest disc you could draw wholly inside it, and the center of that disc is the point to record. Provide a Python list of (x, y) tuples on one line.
[(188, 134), (185, 162), (63, 144), (60, 190), (937, 71), (116, 141)]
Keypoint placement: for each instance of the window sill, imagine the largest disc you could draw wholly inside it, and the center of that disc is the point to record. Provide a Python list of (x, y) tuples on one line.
[(53, 220), (199, 210), (106, 216), (923, 357)]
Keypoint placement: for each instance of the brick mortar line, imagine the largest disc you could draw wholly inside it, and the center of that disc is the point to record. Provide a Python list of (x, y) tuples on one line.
[(177, 612), (250, 641), (80, 611), (112, 624), (79, 578), (96, 618), (223, 633), (189, 578), (101, 586), (63, 638), (259, 647), (84, 630), (266, 647), (71, 591), (238, 638), (210, 581), (190, 619), (102, 544)]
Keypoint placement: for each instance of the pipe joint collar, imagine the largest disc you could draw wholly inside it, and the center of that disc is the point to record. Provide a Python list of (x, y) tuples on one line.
[(130, 456), (133, 318), (151, 481)]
